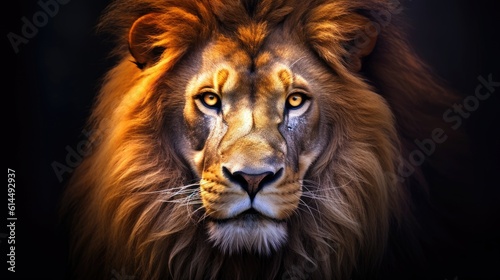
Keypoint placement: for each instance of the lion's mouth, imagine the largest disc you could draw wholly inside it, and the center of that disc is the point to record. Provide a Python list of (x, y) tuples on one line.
[(250, 215)]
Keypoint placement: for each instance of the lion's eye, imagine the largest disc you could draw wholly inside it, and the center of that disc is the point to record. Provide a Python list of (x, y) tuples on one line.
[(295, 100), (210, 100)]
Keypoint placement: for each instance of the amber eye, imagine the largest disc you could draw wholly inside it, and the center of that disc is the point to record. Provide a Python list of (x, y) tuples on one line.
[(295, 100), (210, 100)]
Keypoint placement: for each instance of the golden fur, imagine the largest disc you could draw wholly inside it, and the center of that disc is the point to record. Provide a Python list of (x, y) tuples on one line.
[(135, 203)]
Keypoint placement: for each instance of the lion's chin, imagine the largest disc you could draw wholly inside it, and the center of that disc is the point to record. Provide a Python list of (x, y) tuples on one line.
[(248, 233)]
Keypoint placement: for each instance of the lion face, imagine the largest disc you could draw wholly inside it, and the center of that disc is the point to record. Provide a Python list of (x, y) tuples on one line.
[(252, 126), (248, 140)]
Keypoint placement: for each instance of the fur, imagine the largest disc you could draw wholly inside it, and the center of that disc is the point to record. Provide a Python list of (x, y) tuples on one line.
[(130, 203)]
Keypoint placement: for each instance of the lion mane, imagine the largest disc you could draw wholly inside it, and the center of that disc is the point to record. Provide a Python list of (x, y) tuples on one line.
[(132, 204)]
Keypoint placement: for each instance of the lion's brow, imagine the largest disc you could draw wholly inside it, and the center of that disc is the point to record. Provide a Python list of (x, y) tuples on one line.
[(286, 78), (221, 78)]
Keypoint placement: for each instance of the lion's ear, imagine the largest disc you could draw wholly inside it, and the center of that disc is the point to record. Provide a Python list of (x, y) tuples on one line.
[(362, 47), (141, 39)]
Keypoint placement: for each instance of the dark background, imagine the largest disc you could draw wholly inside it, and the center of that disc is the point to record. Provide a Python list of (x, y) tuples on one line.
[(49, 86)]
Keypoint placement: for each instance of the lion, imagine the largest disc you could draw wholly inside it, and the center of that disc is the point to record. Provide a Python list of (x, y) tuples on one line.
[(250, 139)]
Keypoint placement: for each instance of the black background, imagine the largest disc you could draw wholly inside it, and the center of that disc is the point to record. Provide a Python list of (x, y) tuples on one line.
[(57, 74)]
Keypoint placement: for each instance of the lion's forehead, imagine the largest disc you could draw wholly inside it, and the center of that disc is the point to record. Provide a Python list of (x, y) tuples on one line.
[(233, 71)]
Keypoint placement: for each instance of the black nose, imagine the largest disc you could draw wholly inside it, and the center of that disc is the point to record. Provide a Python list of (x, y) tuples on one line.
[(252, 183)]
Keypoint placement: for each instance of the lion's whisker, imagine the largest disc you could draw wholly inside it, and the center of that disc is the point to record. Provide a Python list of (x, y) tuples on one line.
[(169, 190), (202, 217), (309, 211)]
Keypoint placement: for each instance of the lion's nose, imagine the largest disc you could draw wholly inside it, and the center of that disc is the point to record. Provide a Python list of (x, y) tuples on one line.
[(252, 183)]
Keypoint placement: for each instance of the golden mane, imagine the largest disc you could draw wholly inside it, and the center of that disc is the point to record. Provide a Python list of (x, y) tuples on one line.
[(116, 199)]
